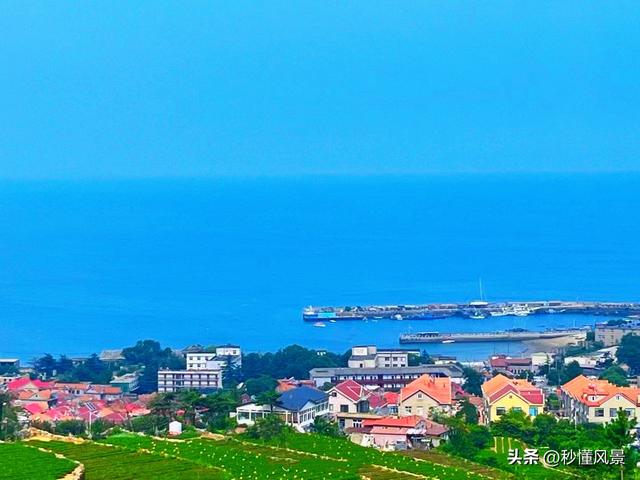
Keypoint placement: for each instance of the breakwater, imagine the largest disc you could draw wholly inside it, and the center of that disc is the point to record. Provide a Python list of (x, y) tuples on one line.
[(507, 336), (474, 310)]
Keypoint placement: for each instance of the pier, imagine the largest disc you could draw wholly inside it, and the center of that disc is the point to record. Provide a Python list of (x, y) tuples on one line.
[(474, 310), (507, 336)]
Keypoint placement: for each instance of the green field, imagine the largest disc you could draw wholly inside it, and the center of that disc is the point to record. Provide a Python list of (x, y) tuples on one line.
[(294, 456), (21, 462)]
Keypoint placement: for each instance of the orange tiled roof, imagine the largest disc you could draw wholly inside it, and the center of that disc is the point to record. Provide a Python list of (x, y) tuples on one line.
[(593, 392), (500, 385), (438, 388)]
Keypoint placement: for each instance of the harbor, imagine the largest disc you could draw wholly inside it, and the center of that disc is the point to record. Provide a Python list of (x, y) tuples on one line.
[(476, 310)]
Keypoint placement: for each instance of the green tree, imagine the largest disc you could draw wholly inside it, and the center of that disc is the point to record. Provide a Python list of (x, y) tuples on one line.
[(9, 425), (468, 412), (472, 381), (629, 352), (260, 384), (163, 405), (326, 427), (570, 371), (70, 427), (619, 430), (268, 428), (45, 365), (270, 398), (615, 375)]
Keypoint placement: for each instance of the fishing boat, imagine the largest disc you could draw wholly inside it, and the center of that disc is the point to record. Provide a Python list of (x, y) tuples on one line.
[(319, 324), (521, 311), (503, 312), (448, 341)]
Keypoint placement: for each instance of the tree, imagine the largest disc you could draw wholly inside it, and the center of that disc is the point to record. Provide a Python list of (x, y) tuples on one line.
[(45, 365), (472, 381), (149, 355), (260, 384), (629, 352), (70, 427), (615, 375), (268, 428), (570, 371), (468, 412), (516, 424), (270, 398), (618, 431), (163, 405), (544, 425), (9, 425), (325, 427)]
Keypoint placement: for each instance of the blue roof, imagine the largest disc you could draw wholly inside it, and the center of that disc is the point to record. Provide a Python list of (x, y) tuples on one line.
[(296, 398)]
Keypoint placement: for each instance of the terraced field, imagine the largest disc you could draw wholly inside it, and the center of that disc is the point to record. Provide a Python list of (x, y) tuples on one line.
[(302, 457), (21, 462)]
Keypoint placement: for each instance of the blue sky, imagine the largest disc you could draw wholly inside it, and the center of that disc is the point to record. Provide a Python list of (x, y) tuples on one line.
[(187, 88)]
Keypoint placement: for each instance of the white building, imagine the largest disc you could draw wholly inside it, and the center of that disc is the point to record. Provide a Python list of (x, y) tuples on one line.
[(369, 356), (176, 380)]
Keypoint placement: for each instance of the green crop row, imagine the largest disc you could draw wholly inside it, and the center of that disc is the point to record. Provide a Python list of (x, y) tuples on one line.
[(21, 462)]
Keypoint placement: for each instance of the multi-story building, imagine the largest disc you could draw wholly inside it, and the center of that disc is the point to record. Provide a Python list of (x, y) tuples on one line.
[(369, 356), (176, 380), (392, 378), (425, 395), (611, 333), (201, 359), (501, 394), (597, 401)]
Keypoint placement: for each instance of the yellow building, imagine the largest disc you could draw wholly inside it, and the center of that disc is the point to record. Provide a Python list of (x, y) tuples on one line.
[(501, 394)]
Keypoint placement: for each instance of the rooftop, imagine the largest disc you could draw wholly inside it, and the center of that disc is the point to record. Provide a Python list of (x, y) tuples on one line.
[(449, 370)]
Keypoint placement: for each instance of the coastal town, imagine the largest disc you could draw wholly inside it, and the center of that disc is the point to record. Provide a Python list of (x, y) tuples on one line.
[(387, 399)]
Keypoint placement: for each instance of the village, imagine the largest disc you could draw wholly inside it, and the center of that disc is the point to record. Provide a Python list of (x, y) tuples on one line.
[(389, 399)]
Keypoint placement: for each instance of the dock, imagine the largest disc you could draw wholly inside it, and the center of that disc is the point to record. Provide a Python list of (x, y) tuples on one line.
[(474, 310), (506, 336)]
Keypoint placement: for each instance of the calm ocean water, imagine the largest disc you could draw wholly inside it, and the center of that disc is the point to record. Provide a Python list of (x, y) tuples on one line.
[(94, 265)]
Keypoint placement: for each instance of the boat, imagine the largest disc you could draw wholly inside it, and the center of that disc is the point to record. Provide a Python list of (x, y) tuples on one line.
[(319, 324), (503, 312), (448, 341), (521, 311), (397, 317), (332, 321), (477, 316)]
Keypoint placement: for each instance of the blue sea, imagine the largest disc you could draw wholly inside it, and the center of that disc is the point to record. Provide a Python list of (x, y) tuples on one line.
[(90, 265)]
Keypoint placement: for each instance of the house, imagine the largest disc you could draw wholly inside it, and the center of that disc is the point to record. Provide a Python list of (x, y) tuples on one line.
[(9, 363), (443, 359), (501, 394), (425, 395), (128, 382), (414, 431), (25, 383), (387, 378), (111, 357), (369, 356), (610, 333), (510, 365), (297, 407), (42, 398), (72, 388), (104, 392), (230, 353), (349, 404), (591, 400)]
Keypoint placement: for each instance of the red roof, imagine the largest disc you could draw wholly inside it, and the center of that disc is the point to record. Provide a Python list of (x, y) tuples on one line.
[(26, 383), (352, 390), (410, 421), (390, 431), (438, 388)]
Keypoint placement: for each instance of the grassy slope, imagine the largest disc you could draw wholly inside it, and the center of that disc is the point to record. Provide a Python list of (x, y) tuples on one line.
[(21, 462)]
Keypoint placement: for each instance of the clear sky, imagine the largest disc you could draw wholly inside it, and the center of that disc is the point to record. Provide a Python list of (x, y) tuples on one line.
[(188, 88)]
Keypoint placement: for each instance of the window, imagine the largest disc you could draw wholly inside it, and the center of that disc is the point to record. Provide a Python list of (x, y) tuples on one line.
[(517, 409), (419, 395), (613, 412), (630, 412), (344, 408), (500, 411), (533, 411), (407, 409), (599, 412), (357, 423)]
